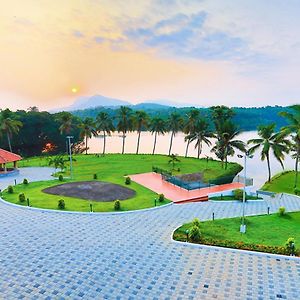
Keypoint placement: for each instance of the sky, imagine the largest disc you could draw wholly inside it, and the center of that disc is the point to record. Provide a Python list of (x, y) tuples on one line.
[(203, 52)]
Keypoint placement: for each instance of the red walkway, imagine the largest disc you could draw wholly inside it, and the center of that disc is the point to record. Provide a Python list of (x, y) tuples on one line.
[(176, 194)]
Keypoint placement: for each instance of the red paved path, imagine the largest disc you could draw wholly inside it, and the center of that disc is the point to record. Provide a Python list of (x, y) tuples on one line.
[(174, 193)]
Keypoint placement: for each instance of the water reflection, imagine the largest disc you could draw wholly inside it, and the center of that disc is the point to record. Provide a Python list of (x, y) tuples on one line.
[(255, 167)]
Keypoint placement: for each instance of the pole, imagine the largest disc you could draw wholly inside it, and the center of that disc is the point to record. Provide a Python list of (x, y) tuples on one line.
[(70, 154), (243, 226)]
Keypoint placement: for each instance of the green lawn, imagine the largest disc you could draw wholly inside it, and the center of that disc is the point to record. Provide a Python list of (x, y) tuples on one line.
[(231, 198), (281, 183), (268, 230), (112, 168)]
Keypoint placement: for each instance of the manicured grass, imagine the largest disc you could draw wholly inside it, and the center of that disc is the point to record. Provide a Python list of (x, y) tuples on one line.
[(231, 198), (269, 230), (112, 168), (282, 183)]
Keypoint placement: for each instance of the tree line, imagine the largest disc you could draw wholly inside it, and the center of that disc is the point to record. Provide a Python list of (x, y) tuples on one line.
[(220, 133)]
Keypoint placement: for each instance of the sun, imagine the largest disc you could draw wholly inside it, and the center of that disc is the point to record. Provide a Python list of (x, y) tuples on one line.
[(74, 90)]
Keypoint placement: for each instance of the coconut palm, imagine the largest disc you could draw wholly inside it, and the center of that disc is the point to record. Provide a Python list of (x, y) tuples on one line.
[(9, 126), (270, 140), (104, 123), (226, 141), (157, 126), (87, 130), (141, 121), (293, 129), (174, 124), (65, 119), (200, 134), (173, 159), (125, 122), (189, 126)]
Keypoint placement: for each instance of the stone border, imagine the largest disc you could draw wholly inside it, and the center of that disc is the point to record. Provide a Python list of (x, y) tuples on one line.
[(84, 212), (242, 251)]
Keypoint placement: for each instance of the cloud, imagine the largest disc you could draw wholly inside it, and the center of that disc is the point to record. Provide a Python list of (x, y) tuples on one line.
[(187, 35)]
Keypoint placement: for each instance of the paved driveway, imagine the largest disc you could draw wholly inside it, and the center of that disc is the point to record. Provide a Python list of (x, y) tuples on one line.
[(52, 255)]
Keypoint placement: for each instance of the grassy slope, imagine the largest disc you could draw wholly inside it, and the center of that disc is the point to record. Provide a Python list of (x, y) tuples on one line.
[(271, 230), (113, 168), (281, 183)]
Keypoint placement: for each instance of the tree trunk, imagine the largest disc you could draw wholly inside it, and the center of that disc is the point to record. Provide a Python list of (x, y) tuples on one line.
[(104, 142), (187, 148), (123, 144), (8, 141), (269, 168), (199, 149), (154, 145), (86, 144), (296, 165), (171, 142), (138, 142)]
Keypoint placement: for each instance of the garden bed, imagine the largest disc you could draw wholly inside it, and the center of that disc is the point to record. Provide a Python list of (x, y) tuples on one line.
[(92, 190)]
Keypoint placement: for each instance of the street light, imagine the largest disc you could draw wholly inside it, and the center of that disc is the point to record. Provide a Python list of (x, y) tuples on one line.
[(70, 154), (245, 156)]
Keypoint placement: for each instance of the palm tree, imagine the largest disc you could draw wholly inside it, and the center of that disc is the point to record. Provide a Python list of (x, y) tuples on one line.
[(189, 126), (293, 129), (157, 126), (141, 120), (200, 134), (105, 124), (65, 119), (9, 126), (87, 130), (270, 140), (125, 123), (227, 142), (173, 160), (174, 125)]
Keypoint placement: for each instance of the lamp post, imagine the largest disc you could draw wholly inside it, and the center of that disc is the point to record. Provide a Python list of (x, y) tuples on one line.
[(70, 154), (245, 156)]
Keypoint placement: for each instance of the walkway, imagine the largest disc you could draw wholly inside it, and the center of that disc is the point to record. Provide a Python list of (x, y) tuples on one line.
[(174, 193), (54, 255)]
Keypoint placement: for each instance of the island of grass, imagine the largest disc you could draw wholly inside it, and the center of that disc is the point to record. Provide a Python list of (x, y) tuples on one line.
[(267, 233), (282, 183), (113, 168)]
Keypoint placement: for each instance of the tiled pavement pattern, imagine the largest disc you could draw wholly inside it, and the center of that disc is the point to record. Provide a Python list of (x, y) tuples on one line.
[(52, 255)]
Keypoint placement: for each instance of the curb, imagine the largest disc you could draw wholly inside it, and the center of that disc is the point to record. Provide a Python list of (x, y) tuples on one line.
[(45, 210)]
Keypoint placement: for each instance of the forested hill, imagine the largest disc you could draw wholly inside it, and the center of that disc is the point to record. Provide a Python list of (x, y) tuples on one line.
[(247, 118)]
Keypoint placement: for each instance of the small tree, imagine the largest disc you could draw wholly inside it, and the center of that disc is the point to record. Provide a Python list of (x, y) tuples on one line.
[(61, 178), (61, 204), (95, 176), (195, 233), (173, 159), (196, 222), (238, 194), (22, 197), (127, 180), (10, 189), (161, 197), (281, 211), (117, 205), (25, 181), (290, 246)]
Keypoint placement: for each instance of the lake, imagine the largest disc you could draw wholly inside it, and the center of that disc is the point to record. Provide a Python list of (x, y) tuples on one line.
[(256, 168)]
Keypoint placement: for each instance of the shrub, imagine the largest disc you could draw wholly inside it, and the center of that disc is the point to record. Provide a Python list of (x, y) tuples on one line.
[(61, 204), (22, 197), (10, 189), (281, 210), (117, 205), (195, 233), (238, 194), (95, 176), (290, 246), (25, 181), (196, 222), (60, 177), (127, 180), (161, 197), (297, 191)]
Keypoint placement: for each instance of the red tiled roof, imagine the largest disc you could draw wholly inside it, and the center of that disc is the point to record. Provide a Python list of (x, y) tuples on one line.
[(6, 156)]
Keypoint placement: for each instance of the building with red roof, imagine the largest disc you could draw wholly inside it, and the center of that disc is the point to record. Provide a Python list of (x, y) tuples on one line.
[(8, 157)]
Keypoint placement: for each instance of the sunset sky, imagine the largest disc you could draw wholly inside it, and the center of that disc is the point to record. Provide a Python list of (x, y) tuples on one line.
[(205, 52)]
